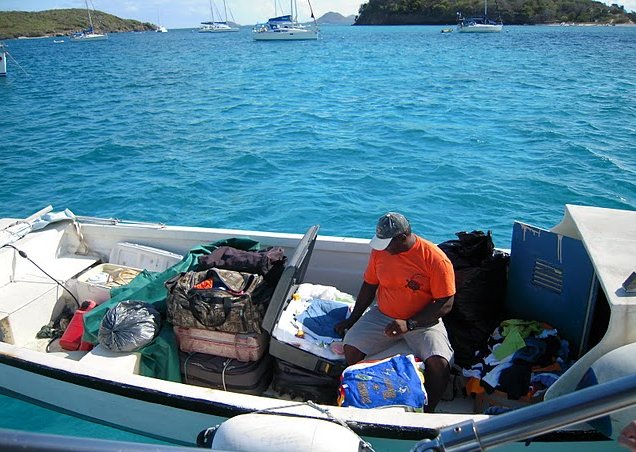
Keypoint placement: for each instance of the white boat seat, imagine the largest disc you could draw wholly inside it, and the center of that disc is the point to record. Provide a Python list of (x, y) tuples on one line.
[(28, 296), (101, 358)]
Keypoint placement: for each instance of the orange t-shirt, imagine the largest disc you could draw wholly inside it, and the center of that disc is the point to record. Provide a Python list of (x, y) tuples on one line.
[(407, 282)]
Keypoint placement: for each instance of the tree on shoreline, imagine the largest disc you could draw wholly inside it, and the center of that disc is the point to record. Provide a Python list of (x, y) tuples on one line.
[(513, 12)]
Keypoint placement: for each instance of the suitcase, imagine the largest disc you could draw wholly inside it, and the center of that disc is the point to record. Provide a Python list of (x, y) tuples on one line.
[(298, 382), (228, 374), (242, 346), (291, 278)]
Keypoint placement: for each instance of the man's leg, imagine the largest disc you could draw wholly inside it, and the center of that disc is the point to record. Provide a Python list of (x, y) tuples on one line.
[(367, 337), (437, 374), (353, 355), (432, 345)]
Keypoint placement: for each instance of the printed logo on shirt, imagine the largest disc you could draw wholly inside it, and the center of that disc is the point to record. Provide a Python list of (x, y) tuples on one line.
[(415, 282)]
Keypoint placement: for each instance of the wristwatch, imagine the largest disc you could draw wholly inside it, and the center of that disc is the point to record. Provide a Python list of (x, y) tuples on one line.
[(411, 324)]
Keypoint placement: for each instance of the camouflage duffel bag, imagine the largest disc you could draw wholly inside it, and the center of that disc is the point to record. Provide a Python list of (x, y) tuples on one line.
[(216, 299)]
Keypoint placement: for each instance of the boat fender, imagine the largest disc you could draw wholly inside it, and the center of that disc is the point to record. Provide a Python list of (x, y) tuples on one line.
[(615, 364), (280, 433)]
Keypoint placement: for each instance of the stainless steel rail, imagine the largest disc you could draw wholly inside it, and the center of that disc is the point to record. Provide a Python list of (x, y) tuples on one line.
[(570, 409)]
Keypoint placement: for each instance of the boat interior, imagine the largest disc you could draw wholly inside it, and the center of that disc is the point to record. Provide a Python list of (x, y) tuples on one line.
[(49, 270)]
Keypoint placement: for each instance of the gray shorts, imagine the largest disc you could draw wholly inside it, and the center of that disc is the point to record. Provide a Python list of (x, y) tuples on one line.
[(367, 335)]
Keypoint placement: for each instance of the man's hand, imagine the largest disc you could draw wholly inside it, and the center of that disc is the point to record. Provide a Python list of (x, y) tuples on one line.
[(628, 436), (396, 328), (342, 327)]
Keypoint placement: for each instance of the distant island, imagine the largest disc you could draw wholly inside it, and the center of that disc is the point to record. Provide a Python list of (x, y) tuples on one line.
[(512, 12), (332, 18), (62, 22)]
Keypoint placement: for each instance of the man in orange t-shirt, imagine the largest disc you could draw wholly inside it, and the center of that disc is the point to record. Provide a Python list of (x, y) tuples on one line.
[(415, 283)]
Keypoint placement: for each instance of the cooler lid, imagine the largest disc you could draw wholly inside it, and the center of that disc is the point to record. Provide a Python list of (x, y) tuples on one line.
[(293, 274)]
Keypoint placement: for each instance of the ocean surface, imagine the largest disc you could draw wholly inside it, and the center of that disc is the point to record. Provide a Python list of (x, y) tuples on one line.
[(460, 132)]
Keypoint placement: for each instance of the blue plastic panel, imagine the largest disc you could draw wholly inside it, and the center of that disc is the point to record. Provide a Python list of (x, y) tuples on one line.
[(551, 279)]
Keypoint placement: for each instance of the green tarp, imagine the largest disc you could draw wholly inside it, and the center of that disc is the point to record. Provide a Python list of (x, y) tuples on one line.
[(160, 358)]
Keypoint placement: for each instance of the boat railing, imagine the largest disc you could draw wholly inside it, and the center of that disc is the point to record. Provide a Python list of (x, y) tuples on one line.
[(570, 409), (118, 222)]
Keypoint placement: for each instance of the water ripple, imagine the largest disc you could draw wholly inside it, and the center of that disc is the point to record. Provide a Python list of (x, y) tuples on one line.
[(460, 132)]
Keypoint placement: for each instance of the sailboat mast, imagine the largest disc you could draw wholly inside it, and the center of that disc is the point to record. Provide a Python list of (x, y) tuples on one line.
[(225, 10), (90, 20), (485, 8), (211, 11)]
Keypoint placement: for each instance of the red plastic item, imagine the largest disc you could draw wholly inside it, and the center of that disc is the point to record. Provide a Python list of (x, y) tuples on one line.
[(71, 340)]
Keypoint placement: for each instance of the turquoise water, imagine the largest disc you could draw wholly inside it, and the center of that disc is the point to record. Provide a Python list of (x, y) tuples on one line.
[(458, 131), (21, 415)]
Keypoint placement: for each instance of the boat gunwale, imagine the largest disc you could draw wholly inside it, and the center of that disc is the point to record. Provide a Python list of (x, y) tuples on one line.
[(198, 405), (195, 404)]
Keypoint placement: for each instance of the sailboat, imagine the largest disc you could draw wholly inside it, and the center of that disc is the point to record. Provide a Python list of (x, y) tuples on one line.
[(479, 24), (285, 28), (217, 26), (3, 60), (88, 34)]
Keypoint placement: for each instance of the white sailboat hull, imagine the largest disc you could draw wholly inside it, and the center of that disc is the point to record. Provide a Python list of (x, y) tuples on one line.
[(292, 34), (3, 64), (89, 37), (218, 30), (481, 28)]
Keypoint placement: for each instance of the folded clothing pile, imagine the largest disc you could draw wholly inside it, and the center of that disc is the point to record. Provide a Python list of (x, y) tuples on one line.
[(308, 321)]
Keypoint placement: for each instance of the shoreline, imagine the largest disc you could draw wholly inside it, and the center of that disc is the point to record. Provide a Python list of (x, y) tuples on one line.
[(563, 24)]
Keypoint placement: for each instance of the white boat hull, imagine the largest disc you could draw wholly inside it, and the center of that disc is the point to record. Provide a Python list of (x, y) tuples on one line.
[(286, 35), (89, 37), (178, 412), (481, 28), (218, 30)]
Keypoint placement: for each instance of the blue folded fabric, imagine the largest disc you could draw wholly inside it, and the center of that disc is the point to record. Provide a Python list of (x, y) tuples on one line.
[(391, 382), (320, 318)]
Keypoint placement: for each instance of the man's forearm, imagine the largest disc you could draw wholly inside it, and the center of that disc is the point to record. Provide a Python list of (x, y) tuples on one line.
[(434, 311), (364, 300)]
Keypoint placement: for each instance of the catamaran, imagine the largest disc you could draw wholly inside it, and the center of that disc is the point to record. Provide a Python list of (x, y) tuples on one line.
[(217, 26), (577, 276), (479, 24), (88, 34), (286, 28)]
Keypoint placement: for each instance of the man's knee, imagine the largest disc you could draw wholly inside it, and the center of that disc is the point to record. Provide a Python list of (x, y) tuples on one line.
[(352, 354), (437, 365)]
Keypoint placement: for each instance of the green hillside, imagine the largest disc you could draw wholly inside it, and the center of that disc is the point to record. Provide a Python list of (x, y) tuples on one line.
[(512, 12), (58, 22)]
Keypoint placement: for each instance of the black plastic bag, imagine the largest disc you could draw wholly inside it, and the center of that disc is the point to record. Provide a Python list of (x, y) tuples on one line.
[(128, 326)]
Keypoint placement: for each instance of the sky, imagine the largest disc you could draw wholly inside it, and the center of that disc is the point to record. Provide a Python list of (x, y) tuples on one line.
[(189, 13)]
